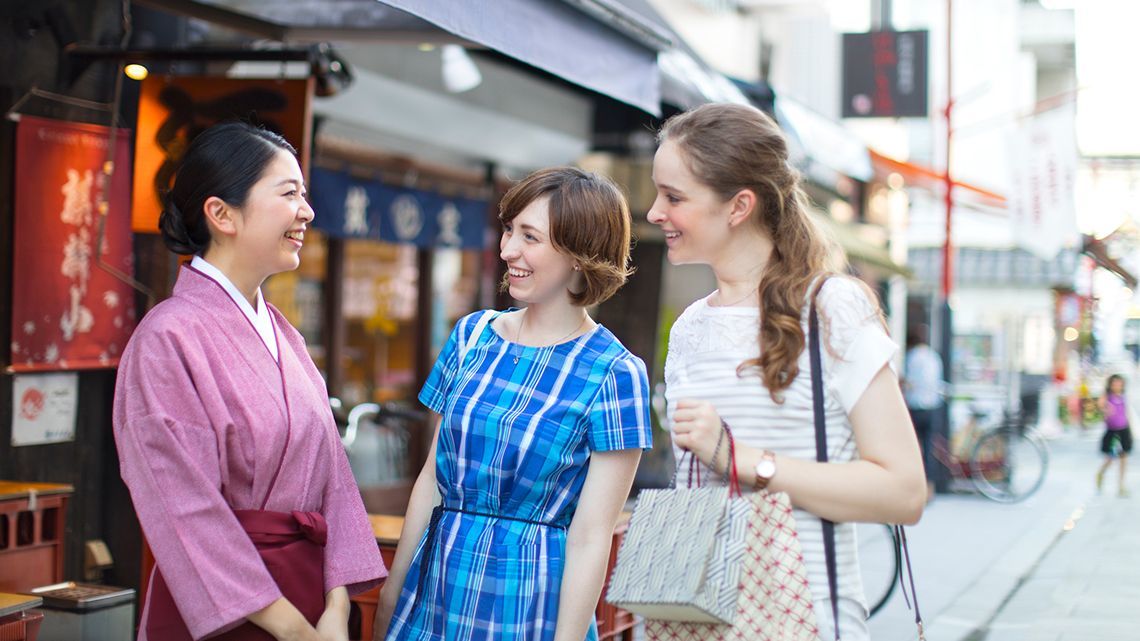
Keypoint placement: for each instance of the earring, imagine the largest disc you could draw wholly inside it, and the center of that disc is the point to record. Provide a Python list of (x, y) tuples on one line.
[(577, 268)]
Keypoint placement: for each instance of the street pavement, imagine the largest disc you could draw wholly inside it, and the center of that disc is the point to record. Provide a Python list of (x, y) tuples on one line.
[(1063, 565)]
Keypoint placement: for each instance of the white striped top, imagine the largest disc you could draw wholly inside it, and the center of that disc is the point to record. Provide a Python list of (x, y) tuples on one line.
[(707, 344)]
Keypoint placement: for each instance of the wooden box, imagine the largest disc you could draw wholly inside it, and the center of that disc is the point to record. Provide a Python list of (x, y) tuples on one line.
[(32, 526)]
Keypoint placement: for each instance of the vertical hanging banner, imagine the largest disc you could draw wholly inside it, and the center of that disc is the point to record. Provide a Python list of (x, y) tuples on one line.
[(173, 110), (1043, 171), (67, 311)]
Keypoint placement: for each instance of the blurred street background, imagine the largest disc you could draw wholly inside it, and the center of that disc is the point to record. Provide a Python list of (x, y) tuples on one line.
[(977, 161)]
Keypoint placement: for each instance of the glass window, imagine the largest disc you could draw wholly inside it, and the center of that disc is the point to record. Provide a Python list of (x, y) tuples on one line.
[(455, 286), (381, 283), (299, 294)]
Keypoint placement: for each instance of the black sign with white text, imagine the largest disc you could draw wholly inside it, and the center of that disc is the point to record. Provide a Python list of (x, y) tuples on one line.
[(884, 74)]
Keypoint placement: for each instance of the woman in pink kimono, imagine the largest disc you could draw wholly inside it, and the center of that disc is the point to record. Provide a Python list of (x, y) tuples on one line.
[(222, 422)]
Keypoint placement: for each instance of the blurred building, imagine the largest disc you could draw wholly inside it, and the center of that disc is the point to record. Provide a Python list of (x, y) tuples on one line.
[(1024, 273)]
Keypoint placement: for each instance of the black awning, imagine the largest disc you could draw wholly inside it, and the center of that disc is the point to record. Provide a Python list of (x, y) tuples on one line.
[(596, 44)]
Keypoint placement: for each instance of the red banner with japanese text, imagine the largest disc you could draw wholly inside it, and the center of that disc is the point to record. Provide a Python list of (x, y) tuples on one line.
[(69, 310)]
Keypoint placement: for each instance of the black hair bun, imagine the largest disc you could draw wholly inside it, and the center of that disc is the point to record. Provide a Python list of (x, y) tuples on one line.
[(174, 233)]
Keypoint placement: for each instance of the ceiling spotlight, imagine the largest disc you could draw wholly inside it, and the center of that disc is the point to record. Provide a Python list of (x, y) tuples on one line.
[(135, 71), (459, 71)]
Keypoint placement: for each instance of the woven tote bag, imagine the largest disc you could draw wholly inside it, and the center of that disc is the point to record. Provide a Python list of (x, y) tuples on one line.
[(683, 554), (774, 602)]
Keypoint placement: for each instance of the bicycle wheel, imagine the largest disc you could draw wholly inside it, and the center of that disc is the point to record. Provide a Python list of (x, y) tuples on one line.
[(878, 563), (1008, 466)]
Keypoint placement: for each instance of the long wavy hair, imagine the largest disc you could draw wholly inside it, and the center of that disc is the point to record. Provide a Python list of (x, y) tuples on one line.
[(729, 148)]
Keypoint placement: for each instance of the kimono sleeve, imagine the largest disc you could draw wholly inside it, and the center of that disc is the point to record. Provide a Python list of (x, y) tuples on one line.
[(857, 344), (352, 558), (169, 459), (618, 418), (441, 380)]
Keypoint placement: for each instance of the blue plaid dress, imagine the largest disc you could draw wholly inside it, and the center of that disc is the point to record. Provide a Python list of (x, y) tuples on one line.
[(514, 445)]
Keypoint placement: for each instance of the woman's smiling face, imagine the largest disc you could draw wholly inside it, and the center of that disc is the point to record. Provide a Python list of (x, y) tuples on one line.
[(271, 224), (537, 272), (690, 213)]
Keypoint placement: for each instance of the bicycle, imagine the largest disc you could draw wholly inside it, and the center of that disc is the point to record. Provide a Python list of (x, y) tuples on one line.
[(377, 438), (1005, 463), (880, 558)]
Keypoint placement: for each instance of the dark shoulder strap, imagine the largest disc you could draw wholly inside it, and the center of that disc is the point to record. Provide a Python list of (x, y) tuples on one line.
[(821, 456), (821, 448)]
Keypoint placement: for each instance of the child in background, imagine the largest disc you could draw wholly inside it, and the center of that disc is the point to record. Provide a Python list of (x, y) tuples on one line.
[(1117, 440)]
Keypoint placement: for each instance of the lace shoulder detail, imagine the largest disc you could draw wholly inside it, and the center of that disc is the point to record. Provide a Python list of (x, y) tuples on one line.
[(845, 309), (700, 330)]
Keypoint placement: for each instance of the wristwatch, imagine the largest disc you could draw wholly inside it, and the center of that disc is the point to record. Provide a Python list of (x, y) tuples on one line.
[(765, 469)]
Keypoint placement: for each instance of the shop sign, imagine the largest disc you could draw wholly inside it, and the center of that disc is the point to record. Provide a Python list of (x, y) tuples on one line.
[(884, 74), (173, 110), (351, 207), (44, 408), (69, 311)]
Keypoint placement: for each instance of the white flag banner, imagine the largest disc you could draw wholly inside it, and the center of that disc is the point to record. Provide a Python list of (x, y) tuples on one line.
[(1043, 156)]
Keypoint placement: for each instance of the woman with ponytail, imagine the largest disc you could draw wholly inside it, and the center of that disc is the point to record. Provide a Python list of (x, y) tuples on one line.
[(728, 198), (222, 422)]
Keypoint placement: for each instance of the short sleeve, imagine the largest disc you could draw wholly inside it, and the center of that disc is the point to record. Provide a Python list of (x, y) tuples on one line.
[(442, 377), (619, 416), (857, 342)]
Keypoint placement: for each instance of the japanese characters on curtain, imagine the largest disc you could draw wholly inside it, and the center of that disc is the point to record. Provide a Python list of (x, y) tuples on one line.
[(68, 312), (351, 207)]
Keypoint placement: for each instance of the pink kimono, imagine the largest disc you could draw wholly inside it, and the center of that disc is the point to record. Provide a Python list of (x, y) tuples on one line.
[(206, 422)]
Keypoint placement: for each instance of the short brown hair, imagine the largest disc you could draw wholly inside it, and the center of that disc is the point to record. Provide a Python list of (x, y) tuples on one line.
[(589, 221)]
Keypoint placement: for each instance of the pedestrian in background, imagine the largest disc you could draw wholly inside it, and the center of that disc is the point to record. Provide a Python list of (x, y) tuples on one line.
[(1117, 440), (922, 387), (225, 435), (540, 419), (727, 197)]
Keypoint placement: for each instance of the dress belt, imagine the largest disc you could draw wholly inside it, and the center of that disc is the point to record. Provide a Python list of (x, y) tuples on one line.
[(430, 542)]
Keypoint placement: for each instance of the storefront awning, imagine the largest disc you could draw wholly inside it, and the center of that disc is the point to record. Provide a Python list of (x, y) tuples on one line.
[(596, 44), (858, 248), (934, 180), (686, 80), (814, 140)]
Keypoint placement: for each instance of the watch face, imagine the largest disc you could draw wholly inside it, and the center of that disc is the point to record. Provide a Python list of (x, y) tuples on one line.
[(766, 468)]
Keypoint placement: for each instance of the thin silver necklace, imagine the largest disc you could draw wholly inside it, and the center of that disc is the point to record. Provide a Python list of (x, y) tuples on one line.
[(517, 347), (751, 292)]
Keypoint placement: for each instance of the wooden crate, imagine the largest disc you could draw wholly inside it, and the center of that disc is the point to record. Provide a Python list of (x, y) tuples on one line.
[(23, 626), (32, 526)]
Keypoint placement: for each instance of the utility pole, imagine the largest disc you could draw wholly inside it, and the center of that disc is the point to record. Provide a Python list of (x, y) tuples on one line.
[(880, 15), (948, 244), (946, 333)]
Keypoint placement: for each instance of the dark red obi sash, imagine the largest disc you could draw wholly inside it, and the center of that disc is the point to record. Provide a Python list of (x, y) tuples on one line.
[(292, 545)]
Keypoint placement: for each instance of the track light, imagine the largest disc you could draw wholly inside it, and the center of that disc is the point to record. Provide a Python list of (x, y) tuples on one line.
[(331, 71), (459, 71)]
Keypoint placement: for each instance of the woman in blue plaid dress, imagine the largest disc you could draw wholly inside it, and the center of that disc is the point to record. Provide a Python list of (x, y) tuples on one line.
[(537, 411)]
